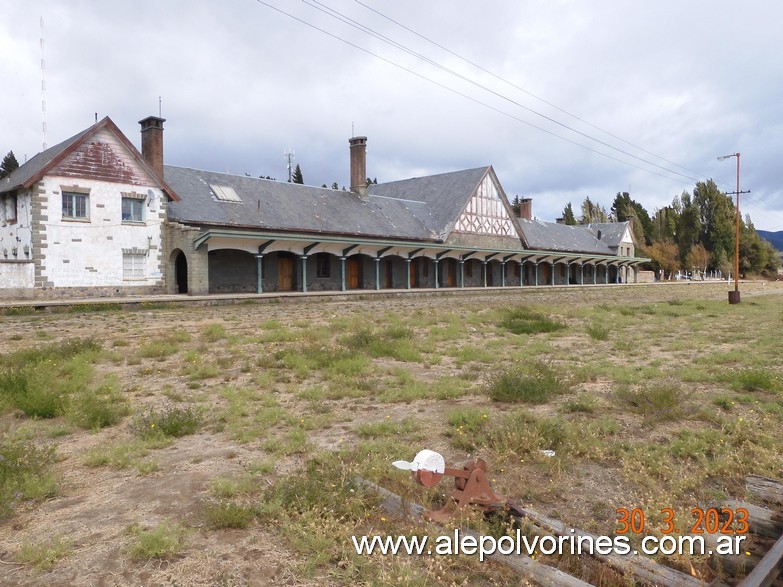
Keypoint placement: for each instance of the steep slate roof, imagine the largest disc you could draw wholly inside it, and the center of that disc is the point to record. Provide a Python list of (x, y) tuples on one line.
[(611, 232), (422, 208), (445, 194), (278, 205), (36, 167), (551, 236), (32, 171)]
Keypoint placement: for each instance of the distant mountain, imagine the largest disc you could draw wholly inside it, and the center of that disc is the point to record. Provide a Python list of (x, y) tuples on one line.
[(776, 238)]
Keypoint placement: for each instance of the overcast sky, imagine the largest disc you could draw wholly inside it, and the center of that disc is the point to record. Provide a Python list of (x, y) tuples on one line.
[(565, 99)]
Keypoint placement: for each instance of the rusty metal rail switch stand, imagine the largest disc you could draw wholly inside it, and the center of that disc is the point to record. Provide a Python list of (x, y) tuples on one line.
[(471, 484)]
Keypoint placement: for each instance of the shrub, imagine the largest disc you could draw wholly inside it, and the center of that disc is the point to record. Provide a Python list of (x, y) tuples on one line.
[(214, 332), (164, 541), (656, 403), (45, 554), (23, 473), (526, 321), (41, 380), (585, 405), (598, 332), (157, 350), (753, 380), (172, 421), (28, 391), (537, 385), (99, 408), (228, 514)]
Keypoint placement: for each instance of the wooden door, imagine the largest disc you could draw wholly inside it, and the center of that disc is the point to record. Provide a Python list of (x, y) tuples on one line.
[(414, 265), (285, 274), (389, 274), (354, 273), (547, 277), (451, 273), (488, 269)]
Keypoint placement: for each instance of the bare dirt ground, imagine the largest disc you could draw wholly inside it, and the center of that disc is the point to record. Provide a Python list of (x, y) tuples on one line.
[(95, 506)]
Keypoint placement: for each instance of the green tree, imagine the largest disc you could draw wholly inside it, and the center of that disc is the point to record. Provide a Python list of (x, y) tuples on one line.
[(688, 226), (717, 217), (592, 212), (624, 208), (756, 254), (297, 176), (722, 263), (9, 164), (568, 215), (516, 206), (664, 223)]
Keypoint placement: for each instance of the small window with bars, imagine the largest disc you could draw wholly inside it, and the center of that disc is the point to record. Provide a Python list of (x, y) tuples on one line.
[(323, 267)]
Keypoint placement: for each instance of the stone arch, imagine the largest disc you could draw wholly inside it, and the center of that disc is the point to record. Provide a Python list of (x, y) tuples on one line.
[(178, 269)]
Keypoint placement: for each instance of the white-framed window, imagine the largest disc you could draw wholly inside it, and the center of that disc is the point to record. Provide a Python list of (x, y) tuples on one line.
[(76, 206), (132, 210), (134, 265)]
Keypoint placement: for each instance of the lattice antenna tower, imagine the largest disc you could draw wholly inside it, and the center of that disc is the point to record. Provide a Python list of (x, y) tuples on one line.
[(290, 155), (43, 84)]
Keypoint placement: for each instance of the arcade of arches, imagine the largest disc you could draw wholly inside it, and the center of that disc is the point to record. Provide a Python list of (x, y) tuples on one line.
[(282, 265)]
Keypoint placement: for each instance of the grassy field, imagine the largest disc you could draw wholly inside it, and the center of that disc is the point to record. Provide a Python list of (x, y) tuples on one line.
[(217, 445)]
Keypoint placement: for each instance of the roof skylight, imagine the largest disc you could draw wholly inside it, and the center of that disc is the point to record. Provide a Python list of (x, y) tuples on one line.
[(225, 193)]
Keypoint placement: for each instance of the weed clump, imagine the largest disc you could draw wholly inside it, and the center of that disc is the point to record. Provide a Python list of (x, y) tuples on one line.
[(598, 332), (753, 380), (48, 381), (534, 385), (655, 403), (228, 514), (171, 421), (395, 341), (24, 473), (45, 554), (99, 408), (165, 541), (526, 321)]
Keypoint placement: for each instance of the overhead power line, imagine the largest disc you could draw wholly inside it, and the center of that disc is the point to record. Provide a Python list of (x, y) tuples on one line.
[(332, 13), (468, 97), (521, 89), (367, 30)]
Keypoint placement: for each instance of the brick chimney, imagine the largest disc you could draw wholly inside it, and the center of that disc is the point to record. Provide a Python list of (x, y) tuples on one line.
[(359, 166), (152, 142), (526, 208)]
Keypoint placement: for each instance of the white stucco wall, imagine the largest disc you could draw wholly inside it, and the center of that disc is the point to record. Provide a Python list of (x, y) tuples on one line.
[(16, 277), (89, 253), (15, 237)]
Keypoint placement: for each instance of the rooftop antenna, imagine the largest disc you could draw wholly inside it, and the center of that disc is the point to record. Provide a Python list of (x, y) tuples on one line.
[(43, 85), (160, 107), (289, 155)]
